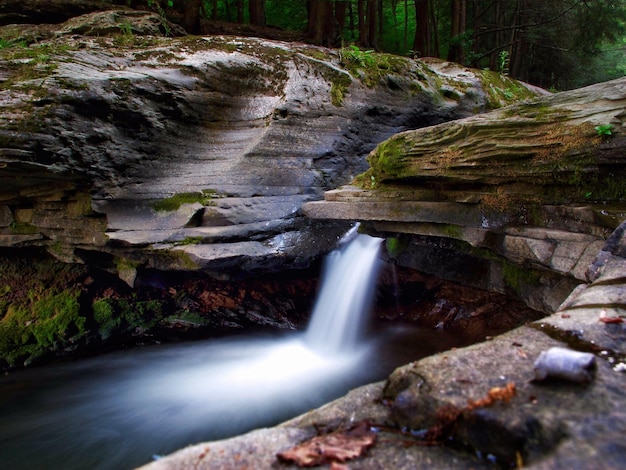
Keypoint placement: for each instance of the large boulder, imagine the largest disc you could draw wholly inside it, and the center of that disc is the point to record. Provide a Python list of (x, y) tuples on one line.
[(198, 152), (520, 199)]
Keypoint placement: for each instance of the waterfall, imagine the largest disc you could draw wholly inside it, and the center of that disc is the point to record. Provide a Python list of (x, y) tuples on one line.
[(346, 293)]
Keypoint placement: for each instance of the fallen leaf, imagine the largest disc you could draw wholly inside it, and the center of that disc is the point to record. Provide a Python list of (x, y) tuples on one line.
[(334, 447), (611, 319), (504, 394)]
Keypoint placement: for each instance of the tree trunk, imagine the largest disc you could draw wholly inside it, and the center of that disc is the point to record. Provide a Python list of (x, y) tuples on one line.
[(518, 43), (422, 31), (372, 18), (257, 12), (240, 11), (191, 18), (320, 23), (341, 11), (363, 29), (456, 52)]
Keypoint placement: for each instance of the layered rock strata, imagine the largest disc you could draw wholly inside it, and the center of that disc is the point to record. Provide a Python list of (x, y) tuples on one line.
[(520, 199), (198, 152), (479, 406)]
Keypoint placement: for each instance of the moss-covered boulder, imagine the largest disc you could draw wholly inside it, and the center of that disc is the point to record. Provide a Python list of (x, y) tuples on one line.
[(526, 194)]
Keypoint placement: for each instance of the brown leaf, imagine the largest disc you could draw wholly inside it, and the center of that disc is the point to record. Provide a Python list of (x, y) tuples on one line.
[(504, 394), (611, 320), (334, 447)]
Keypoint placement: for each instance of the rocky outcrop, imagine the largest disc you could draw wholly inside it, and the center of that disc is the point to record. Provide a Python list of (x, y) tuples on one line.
[(51, 11), (519, 200), (474, 407), (197, 153)]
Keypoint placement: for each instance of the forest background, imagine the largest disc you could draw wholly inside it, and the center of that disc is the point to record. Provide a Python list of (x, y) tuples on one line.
[(555, 44)]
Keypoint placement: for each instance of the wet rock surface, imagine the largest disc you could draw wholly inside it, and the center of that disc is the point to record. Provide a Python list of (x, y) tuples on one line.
[(474, 407), (148, 156), (198, 140), (523, 198)]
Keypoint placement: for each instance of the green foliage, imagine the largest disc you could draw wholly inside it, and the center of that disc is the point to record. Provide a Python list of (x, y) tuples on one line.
[(23, 228), (186, 316), (125, 315), (503, 62), (368, 65), (604, 130), (204, 197), (43, 323), (352, 56), (104, 315)]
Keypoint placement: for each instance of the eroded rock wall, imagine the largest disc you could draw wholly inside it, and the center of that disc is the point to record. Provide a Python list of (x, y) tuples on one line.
[(199, 152), (519, 200)]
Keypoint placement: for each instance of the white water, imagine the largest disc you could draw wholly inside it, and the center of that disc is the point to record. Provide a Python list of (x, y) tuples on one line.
[(344, 299), (118, 410)]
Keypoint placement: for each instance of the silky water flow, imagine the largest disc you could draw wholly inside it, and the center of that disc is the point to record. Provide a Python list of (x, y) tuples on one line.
[(121, 410)]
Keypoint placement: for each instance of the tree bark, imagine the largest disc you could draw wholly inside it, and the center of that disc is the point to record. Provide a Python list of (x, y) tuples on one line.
[(320, 23), (341, 12), (191, 18), (372, 19), (421, 47), (456, 52), (257, 12), (363, 29)]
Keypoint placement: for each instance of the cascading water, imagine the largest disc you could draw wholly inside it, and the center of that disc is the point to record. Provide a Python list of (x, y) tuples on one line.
[(345, 296), (118, 410)]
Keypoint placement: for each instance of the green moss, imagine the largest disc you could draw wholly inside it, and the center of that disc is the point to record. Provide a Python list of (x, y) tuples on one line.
[(25, 64), (452, 231), (123, 264), (370, 66), (502, 90), (337, 93), (170, 204), (387, 160), (396, 246), (141, 314), (191, 241), (123, 315), (517, 278), (104, 315), (23, 228), (45, 322)]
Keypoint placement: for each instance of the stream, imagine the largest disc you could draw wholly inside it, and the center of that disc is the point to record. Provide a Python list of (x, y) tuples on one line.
[(123, 409)]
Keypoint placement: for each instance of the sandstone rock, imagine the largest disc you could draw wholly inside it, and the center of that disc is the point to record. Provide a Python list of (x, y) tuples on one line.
[(529, 192), (6, 216), (50, 11), (540, 425), (124, 22), (253, 128)]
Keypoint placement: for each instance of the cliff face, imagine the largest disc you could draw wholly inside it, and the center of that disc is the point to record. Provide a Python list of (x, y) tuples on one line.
[(197, 153), (520, 199)]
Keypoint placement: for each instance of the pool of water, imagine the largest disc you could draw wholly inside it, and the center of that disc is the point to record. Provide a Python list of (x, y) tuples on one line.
[(121, 410)]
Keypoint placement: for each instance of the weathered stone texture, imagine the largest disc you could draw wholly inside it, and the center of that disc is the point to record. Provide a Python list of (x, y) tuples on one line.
[(531, 189), (261, 126)]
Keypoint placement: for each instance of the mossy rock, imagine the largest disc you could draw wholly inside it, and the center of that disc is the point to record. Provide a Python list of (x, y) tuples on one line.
[(42, 324)]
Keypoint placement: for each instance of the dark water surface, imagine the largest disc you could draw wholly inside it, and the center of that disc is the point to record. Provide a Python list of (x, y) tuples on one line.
[(120, 410)]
